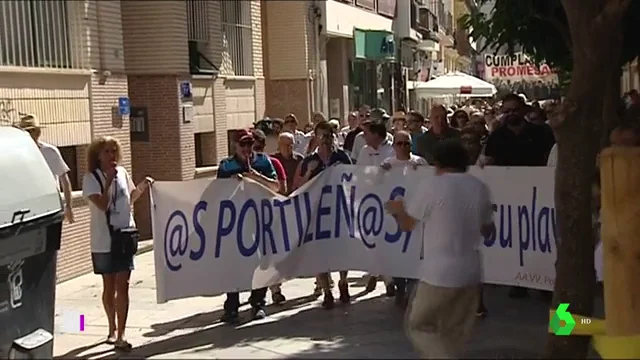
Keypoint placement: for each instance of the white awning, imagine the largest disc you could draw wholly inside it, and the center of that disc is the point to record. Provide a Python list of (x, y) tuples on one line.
[(456, 83)]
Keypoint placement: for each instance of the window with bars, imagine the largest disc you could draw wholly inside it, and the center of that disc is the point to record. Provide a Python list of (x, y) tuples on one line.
[(198, 34), (38, 34), (237, 37)]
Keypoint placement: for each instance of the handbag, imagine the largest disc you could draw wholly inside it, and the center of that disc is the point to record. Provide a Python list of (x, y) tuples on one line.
[(124, 242)]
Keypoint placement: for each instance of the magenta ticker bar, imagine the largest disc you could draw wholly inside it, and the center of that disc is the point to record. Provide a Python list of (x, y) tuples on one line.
[(81, 322)]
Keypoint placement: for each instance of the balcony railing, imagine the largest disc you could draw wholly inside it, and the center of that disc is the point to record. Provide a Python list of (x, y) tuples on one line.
[(426, 19), (385, 8), (198, 36), (237, 37), (197, 20), (42, 34)]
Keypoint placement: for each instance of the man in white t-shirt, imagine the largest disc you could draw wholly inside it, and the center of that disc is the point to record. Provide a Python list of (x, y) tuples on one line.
[(402, 153), (301, 140), (51, 154), (402, 158), (454, 209), (376, 115), (377, 147)]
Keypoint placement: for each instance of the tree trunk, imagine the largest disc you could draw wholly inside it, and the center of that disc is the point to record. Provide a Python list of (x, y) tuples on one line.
[(611, 103), (596, 47)]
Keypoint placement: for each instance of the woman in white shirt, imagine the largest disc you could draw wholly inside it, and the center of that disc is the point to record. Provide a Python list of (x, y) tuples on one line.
[(111, 194)]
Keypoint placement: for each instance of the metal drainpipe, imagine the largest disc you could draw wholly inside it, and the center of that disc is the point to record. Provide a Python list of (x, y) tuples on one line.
[(318, 76)]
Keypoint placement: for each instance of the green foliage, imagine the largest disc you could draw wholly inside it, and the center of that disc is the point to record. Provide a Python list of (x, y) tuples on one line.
[(539, 29)]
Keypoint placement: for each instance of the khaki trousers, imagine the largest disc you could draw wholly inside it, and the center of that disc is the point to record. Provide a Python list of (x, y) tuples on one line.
[(439, 320)]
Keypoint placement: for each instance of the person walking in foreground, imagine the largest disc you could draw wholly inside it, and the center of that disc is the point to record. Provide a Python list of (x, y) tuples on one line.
[(454, 211), (111, 195), (258, 167)]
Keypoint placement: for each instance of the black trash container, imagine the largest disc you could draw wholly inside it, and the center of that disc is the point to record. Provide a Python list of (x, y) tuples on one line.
[(28, 252)]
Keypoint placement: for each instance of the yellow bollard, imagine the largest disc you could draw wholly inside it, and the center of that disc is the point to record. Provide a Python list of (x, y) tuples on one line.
[(620, 233)]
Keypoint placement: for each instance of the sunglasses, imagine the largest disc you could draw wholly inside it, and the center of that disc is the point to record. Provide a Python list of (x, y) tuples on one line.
[(246, 143), (402, 143), (289, 122)]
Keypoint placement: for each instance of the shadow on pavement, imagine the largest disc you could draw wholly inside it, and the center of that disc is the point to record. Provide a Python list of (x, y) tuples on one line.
[(370, 328), (208, 318)]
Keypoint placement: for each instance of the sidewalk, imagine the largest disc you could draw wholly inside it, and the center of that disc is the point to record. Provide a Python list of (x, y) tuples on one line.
[(370, 328)]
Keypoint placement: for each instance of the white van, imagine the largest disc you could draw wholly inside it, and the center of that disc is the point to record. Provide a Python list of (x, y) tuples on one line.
[(31, 214)]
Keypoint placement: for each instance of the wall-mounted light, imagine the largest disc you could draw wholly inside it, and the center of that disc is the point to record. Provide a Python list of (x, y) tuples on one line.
[(104, 75)]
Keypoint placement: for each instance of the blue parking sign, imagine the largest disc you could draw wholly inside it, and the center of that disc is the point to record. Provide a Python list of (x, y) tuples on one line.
[(185, 89), (124, 108)]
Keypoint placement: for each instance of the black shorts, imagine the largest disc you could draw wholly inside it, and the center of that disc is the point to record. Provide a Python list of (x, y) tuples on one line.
[(106, 263)]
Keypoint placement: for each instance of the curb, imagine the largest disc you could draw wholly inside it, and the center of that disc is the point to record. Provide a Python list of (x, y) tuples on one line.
[(145, 248)]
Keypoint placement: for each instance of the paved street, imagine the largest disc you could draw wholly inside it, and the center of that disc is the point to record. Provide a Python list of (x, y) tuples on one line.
[(371, 327)]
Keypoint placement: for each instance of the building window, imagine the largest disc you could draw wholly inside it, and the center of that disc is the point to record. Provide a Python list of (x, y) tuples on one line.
[(231, 134), (198, 35), (38, 34), (70, 156), (237, 37)]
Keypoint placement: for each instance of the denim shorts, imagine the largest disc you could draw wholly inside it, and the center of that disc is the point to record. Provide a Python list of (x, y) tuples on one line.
[(106, 263)]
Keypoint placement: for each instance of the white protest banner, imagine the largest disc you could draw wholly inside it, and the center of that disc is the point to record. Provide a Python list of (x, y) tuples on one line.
[(213, 236), (516, 68)]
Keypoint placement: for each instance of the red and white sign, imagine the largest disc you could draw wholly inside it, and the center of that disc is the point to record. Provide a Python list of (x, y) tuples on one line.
[(516, 68)]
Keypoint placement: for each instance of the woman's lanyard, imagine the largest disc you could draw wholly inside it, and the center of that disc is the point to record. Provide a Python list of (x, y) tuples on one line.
[(114, 189), (326, 163)]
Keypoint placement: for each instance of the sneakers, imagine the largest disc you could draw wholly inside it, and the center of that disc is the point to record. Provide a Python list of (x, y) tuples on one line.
[(229, 317), (258, 313), (278, 298), (343, 286), (233, 318)]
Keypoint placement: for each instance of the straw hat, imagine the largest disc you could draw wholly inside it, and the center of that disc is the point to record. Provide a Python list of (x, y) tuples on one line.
[(29, 122), (398, 115)]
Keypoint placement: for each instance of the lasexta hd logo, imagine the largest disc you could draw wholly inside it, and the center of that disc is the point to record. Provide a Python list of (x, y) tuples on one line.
[(562, 322)]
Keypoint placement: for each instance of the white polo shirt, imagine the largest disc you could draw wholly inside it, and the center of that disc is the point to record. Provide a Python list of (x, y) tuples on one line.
[(413, 160), (374, 157), (452, 209), (54, 159), (359, 144)]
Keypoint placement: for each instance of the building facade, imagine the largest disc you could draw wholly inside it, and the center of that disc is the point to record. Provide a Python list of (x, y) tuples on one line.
[(51, 64), (310, 64), (191, 70), (195, 75)]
